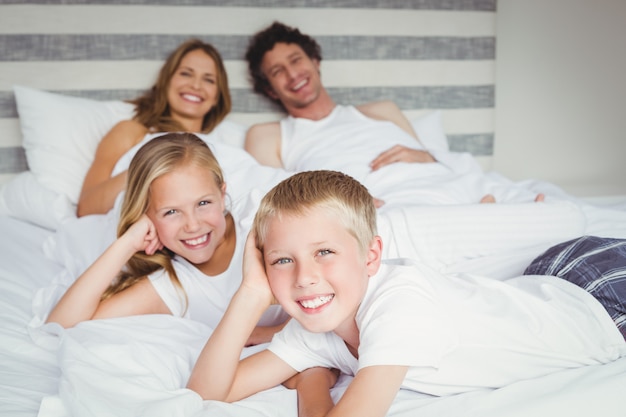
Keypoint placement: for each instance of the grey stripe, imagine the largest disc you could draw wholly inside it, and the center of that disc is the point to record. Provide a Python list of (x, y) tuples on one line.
[(156, 47), (477, 145), (12, 160), (477, 5), (246, 101)]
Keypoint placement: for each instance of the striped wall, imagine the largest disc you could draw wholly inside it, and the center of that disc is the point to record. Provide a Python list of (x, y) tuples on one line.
[(423, 54)]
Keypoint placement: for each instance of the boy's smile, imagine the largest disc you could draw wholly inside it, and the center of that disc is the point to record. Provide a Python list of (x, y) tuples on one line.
[(317, 270)]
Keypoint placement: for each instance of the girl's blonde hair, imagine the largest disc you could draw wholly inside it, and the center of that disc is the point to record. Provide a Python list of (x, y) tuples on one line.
[(156, 158), (152, 109), (341, 195)]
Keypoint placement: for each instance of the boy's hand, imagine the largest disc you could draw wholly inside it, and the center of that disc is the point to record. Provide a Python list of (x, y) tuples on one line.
[(143, 236), (254, 276)]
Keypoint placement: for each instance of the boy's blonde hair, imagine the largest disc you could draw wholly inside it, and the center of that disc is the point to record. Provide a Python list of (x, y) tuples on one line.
[(341, 195)]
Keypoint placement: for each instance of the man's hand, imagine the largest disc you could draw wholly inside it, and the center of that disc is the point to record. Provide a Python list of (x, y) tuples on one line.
[(399, 153)]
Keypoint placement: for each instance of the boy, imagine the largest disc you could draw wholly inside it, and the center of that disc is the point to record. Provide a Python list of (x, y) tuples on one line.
[(391, 326)]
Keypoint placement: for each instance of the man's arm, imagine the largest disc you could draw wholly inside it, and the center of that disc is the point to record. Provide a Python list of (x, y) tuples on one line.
[(263, 143), (389, 111)]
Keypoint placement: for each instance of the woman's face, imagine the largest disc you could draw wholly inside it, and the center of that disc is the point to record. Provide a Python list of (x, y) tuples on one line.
[(193, 89), (187, 209)]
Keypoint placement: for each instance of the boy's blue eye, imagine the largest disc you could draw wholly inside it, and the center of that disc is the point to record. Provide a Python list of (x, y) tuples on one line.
[(281, 261)]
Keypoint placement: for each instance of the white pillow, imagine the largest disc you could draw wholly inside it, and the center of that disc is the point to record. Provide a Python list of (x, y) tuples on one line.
[(429, 129), (26, 199), (61, 134)]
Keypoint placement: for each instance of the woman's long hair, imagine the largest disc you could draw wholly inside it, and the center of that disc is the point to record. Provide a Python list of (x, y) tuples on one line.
[(152, 109)]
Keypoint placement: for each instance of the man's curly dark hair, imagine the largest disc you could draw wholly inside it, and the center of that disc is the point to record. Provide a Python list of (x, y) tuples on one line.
[(265, 41)]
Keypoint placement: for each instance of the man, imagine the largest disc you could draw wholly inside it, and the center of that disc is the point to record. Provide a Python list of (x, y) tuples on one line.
[(285, 67)]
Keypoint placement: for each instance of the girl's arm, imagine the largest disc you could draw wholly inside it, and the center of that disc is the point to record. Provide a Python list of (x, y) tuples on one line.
[(82, 300), (218, 373), (99, 189), (313, 386)]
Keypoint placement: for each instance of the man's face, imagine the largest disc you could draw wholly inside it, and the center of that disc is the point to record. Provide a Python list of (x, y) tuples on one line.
[(293, 76)]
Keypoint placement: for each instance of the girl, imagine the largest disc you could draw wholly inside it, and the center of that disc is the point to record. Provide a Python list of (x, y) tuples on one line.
[(179, 250), (190, 95)]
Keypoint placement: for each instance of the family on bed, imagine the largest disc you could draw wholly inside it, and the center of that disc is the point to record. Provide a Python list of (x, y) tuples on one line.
[(314, 284)]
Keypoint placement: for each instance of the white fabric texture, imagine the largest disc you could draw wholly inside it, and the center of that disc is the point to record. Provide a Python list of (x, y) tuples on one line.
[(347, 141), (463, 333)]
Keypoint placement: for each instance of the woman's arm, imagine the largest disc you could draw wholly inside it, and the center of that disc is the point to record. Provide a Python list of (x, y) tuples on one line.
[(99, 189), (82, 301)]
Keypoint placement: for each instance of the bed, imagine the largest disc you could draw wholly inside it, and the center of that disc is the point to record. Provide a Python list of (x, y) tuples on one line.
[(55, 104)]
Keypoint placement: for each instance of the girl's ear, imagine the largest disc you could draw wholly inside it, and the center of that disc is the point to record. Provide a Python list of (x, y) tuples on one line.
[(374, 255)]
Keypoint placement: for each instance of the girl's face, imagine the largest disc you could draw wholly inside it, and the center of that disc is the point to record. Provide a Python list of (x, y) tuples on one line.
[(193, 89), (187, 208)]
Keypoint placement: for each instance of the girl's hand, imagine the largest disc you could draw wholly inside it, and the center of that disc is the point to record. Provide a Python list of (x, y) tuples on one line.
[(254, 276), (143, 236)]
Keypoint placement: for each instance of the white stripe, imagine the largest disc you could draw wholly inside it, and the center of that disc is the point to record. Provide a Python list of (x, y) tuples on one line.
[(456, 121), (462, 121), (127, 19), (87, 75)]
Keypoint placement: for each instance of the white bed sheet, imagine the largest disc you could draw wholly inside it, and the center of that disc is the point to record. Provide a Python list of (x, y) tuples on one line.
[(138, 366)]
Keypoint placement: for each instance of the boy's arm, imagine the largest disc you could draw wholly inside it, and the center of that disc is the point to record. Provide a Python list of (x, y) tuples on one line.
[(371, 392), (218, 373)]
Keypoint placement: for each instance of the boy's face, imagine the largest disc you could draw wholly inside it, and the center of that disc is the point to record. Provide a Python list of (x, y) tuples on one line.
[(317, 271)]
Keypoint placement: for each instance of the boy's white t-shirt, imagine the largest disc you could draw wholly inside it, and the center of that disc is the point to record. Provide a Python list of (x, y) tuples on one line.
[(461, 333)]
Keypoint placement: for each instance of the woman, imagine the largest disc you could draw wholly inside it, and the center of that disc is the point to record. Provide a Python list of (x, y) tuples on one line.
[(190, 95)]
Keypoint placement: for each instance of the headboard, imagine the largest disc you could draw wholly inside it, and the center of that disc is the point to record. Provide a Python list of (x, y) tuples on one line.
[(422, 54)]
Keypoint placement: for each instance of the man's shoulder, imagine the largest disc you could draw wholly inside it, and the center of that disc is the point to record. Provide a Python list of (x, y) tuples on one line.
[(383, 109), (264, 129)]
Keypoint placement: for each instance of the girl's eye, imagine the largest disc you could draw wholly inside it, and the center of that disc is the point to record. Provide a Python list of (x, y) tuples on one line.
[(204, 203), (324, 252), (169, 212)]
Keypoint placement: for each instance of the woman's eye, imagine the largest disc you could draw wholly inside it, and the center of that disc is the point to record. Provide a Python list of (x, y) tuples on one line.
[(210, 80), (169, 212), (204, 203)]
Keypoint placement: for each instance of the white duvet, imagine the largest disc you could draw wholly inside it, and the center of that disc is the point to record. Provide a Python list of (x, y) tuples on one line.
[(138, 366)]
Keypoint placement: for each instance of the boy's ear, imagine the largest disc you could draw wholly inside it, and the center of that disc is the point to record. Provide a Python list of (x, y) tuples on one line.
[(374, 255)]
